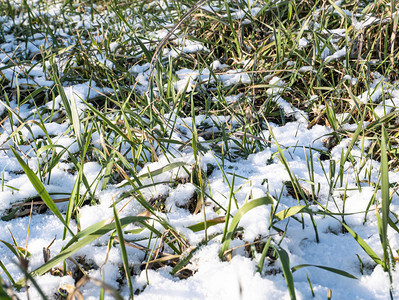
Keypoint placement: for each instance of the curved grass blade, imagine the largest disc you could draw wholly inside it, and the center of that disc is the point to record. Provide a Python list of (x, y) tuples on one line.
[(87, 237), (299, 193), (69, 105), (3, 267), (333, 270), (259, 267), (38, 185), (285, 265), (122, 246), (240, 213), (289, 212), (11, 247), (3, 294), (164, 169), (201, 226), (345, 156), (364, 245), (383, 225)]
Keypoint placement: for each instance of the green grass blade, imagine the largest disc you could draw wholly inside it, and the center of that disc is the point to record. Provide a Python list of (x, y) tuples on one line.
[(164, 169), (259, 267), (87, 237), (333, 270), (364, 245), (11, 247), (286, 213), (237, 217), (285, 264), (122, 246), (69, 105), (201, 226), (3, 267), (356, 134), (3, 293), (38, 185), (385, 199)]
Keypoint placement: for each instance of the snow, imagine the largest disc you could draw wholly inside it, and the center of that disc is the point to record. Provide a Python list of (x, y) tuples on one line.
[(240, 281), (76, 93), (303, 42), (188, 78), (235, 182), (340, 53)]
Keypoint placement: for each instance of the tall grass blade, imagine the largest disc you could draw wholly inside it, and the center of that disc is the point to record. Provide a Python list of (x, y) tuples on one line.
[(122, 246), (87, 237), (285, 264), (259, 267), (41, 190), (69, 105), (237, 217), (3, 267), (364, 245), (333, 270), (286, 213), (3, 294), (385, 200)]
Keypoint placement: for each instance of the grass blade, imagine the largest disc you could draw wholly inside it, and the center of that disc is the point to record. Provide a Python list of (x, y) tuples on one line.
[(164, 169), (38, 185), (286, 213), (237, 217), (201, 226), (385, 200), (363, 244), (259, 268), (87, 237), (285, 264), (333, 270), (123, 252)]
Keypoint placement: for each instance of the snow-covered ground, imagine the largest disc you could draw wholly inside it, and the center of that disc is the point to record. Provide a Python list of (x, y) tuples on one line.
[(229, 182)]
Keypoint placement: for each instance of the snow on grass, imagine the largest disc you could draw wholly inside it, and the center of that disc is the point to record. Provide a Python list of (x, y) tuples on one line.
[(254, 137)]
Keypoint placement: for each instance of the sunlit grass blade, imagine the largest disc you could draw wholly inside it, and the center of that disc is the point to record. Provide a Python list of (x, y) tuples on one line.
[(237, 217), (164, 169), (355, 136), (69, 105), (299, 193), (3, 267), (364, 245), (41, 190), (333, 270), (122, 246), (266, 247), (385, 199), (87, 237), (286, 213), (3, 293), (11, 248), (201, 226), (285, 264)]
